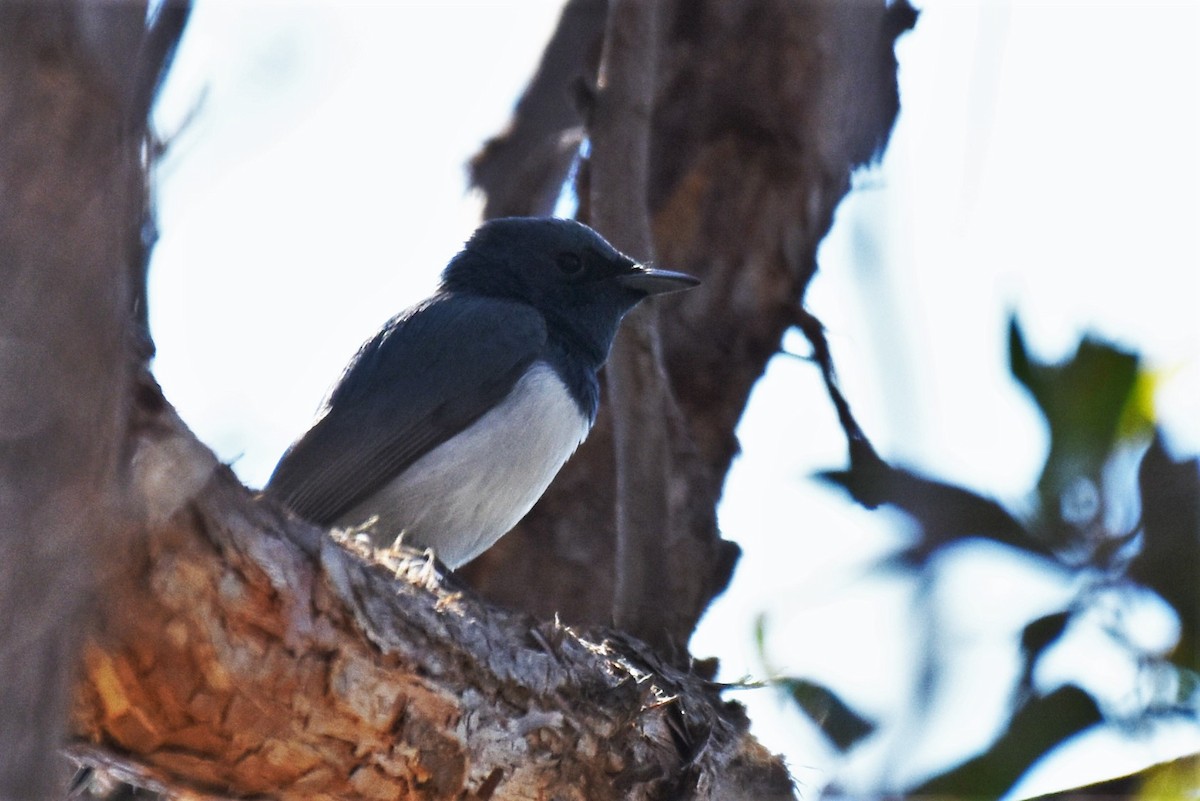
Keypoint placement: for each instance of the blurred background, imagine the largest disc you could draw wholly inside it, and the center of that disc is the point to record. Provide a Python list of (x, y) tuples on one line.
[(1043, 169)]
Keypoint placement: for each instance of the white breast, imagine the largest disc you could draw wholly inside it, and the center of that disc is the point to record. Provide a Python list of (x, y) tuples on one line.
[(469, 491)]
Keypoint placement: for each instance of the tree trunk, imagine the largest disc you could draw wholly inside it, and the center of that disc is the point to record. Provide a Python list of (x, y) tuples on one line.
[(762, 110), (71, 193)]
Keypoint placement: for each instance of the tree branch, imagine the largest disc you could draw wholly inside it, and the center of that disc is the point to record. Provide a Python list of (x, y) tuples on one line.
[(246, 653), (521, 171), (861, 452)]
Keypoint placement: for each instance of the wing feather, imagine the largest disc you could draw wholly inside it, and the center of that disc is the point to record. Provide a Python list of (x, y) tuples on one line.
[(430, 373)]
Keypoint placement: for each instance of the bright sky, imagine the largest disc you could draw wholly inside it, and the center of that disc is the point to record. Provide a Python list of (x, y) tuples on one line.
[(1045, 161)]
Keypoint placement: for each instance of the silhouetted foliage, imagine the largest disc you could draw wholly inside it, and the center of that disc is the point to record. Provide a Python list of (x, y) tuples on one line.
[(1096, 407)]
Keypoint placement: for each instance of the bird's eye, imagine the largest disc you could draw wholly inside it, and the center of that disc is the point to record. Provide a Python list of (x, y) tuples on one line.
[(569, 264)]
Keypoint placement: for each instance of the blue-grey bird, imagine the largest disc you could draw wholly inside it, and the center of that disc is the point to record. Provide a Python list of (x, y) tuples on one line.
[(449, 424)]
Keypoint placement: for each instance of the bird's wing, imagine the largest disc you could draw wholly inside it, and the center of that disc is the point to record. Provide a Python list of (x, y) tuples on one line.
[(427, 375)]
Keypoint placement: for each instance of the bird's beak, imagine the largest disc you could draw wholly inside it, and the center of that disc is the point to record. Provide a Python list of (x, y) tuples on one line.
[(656, 282)]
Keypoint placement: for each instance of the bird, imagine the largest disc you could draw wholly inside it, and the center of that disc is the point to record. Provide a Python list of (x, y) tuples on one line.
[(448, 425)]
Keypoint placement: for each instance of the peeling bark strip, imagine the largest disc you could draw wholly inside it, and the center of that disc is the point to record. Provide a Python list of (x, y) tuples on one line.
[(639, 396), (247, 653)]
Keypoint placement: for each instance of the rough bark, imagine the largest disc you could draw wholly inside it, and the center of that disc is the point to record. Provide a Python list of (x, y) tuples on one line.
[(245, 653), (751, 151)]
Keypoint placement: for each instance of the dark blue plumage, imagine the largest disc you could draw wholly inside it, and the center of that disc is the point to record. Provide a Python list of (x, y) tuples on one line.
[(449, 424)]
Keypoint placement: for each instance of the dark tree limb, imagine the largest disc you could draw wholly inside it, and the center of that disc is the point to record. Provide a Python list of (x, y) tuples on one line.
[(521, 171), (155, 54)]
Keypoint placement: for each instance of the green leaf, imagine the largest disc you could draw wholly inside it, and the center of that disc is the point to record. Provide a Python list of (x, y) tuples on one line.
[(1019, 363), (1040, 635), (760, 637), (1168, 781), (1169, 559), (945, 513), (842, 725), (1176, 780), (1092, 401), (1036, 728)]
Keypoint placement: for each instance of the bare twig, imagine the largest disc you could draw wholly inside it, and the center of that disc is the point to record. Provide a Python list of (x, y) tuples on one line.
[(862, 453)]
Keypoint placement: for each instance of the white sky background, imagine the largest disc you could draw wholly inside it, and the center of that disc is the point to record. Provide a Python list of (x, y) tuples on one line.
[(1045, 161)]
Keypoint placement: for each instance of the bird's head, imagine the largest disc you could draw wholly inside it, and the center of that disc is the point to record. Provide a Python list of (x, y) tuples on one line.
[(580, 283)]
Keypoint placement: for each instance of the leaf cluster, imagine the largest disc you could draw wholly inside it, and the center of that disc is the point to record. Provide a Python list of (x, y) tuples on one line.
[(1116, 533)]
